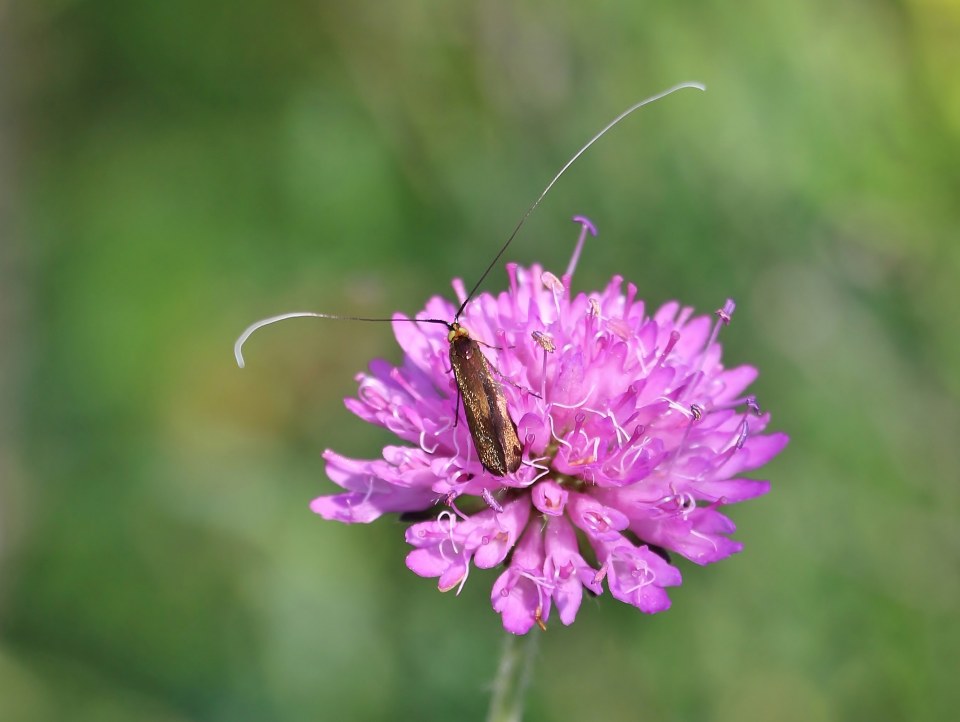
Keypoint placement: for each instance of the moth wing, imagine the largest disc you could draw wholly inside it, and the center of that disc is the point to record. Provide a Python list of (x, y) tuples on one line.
[(485, 406)]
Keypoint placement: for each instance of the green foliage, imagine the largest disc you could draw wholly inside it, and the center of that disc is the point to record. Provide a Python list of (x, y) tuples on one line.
[(175, 170)]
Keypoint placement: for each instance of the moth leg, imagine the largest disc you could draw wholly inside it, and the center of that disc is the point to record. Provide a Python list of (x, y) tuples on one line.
[(497, 371), (510, 381), (495, 348)]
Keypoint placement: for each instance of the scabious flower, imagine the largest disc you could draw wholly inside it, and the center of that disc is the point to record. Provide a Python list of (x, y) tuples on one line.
[(634, 437)]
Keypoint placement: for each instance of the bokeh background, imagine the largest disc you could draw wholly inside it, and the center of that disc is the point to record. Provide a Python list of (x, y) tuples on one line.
[(171, 171)]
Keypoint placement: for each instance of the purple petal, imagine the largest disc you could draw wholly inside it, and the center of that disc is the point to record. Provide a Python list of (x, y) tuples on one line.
[(502, 534), (597, 520), (700, 536), (567, 569), (637, 576), (730, 490), (734, 382), (549, 497), (429, 562), (361, 508), (517, 595), (514, 598)]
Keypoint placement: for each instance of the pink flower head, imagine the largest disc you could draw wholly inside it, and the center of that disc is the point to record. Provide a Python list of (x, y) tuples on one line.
[(633, 435)]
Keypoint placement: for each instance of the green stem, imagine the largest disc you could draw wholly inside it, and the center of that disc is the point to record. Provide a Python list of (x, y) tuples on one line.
[(513, 676)]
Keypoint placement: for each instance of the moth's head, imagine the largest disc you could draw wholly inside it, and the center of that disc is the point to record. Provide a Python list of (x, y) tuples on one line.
[(457, 331)]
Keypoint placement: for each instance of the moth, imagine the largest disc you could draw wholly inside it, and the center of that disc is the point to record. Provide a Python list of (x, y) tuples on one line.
[(493, 431)]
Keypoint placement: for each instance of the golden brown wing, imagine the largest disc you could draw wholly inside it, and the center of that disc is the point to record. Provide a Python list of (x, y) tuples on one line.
[(493, 431)]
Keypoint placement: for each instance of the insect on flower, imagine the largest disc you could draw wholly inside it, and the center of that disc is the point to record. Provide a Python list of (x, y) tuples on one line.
[(613, 443), (493, 432)]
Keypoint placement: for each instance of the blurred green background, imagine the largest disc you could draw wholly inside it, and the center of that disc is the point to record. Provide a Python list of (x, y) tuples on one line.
[(171, 171)]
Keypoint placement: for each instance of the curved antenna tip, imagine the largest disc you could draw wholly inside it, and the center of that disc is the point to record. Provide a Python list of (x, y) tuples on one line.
[(248, 332)]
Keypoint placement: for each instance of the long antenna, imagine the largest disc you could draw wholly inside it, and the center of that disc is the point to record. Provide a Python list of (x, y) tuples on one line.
[(594, 139), (238, 345)]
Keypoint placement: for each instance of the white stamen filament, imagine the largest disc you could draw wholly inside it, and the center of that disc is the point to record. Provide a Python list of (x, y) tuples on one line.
[(553, 433), (578, 404), (397, 376), (423, 443), (694, 532), (540, 583), (463, 580), (371, 481), (544, 470), (452, 523), (371, 393), (647, 578)]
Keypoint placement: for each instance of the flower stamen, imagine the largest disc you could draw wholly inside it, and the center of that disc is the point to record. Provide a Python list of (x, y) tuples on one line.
[(586, 226), (491, 501), (545, 341), (699, 535), (645, 576), (723, 319), (371, 393), (553, 433), (451, 525), (402, 381), (423, 442), (538, 618), (671, 342), (544, 470), (463, 579), (579, 403), (556, 287)]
